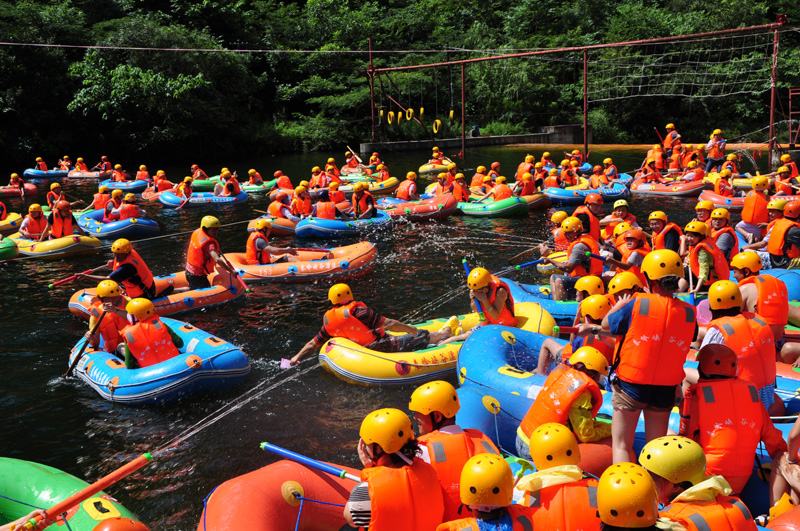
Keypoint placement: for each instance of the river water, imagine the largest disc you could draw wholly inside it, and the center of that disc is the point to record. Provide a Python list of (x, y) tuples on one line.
[(64, 424)]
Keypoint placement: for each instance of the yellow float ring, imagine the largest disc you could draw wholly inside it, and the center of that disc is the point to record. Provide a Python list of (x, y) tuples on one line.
[(390, 117), (399, 117), (421, 112), (452, 114), (380, 116), (437, 124), (409, 114), (290, 490)]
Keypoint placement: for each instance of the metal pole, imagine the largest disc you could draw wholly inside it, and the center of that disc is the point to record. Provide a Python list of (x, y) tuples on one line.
[(585, 104), (772, 95), (371, 74), (463, 114)]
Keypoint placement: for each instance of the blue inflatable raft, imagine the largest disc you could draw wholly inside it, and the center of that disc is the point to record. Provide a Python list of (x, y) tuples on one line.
[(35, 176), (610, 192), (337, 228), (170, 200), (134, 187), (205, 363), (131, 228)]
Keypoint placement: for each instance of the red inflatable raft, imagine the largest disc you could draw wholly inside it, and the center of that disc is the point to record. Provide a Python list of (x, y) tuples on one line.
[(675, 189), (435, 208)]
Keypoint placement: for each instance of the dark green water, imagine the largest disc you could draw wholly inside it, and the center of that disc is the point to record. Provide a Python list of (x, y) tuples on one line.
[(64, 424)]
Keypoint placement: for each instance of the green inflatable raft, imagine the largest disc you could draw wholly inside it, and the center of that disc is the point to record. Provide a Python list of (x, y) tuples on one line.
[(8, 249), (262, 188), (505, 208), (26, 486)]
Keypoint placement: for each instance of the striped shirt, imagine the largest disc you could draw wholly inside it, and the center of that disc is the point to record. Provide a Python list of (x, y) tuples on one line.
[(360, 506)]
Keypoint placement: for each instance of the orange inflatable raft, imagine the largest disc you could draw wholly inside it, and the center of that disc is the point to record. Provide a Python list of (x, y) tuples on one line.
[(224, 288), (308, 264), (280, 226), (267, 500)]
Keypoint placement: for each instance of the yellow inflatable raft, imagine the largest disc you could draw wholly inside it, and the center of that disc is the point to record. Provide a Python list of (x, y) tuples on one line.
[(57, 248), (355, 364), (548, 269), (11, 223)]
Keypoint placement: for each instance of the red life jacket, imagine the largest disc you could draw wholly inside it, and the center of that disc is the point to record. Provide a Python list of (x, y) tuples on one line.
[(198, 257), (593, 229), (129, 210), (362, 203), (163, 184), (42, 165), (81, 166), (326, 210), (61, 226), (526, 188), (777, 239), (118, 176), (301, 206), (750, 337), (252, 254), (111, 327), (659, 240), (142, 175), (105, 166), (235, 188), (199, 174), (726, 513), (551, 181), (100, 200), (275, 209), (3, 211), (339, 322), (719, 270), (406, 189), (723, 188), (773, 300), (135, 287), (506, 316), (35, 227), (595, 265), (150, 342), (256, 178)]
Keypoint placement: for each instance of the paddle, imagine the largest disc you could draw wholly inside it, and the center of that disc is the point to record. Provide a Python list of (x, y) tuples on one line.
[(83, 348), (61, 507), (528, 264), (466, 270), (660, 138), (520, 256), (75, 276), (355, 155), (309, 462)]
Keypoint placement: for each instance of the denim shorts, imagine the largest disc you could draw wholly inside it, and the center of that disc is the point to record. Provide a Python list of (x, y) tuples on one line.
[(634, 397)]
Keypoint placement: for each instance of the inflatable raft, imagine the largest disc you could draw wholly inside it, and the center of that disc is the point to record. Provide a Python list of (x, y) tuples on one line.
[(26, 485), (431, 170), (131, 228), (434, 208), (355, 364), (280, 226), (266, 500), (134, 187), (170, 200), (505, 208), (336, 228), (11, 223), (43, 176), (262, 188), (566, 196), (536, 201), (8, 249), (309, 264), (205, 363), (13, 191), (223, 289), (57, 248), (676, 189), (386, 187), (721, 201), (76, 174), (549, 269)]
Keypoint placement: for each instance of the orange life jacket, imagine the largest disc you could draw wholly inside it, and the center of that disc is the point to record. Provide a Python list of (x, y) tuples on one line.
[(41, 166), (142, 175), (773, 300), (554, 402), (337, 196), (352, 162), (61, 226), (658, 156), (593, 229), (566, 506), (675, 161), (256, 178), (784, 186), (198, 256), (100, 201), (777, 239), (477, 180), (560, 242), (442, 189), (301, 206), (551, 181), (104, 166), (697, 173), (793, 170), (726, 513), (53, 198), (383, 175), (723, 187), (199, 174), (162, 183), (408, 498), (284, 182), (730, 165), (111, 327), (184, 190), (35, 227), (448, 452), (611, 172), (540, 175), (626, 254), (597, 180), (750, 337), (81, 166), (128, 210), (719, 270), (521, 520), (133, 288), (502, 191), (568, 178), (715, 151), (608, 231), (319, 180), (406, 189), (522, 169), (275, 209), (671, 139), (526, 188), (150, 342), (650, 175), (659, 240), (715, 234), (460, 193), (252, 254), (236, 187), (362, 203), (506, 317), (755, 208), (108, 213), (339, 322), (325, 210), (63, 165), (654, 348), (595, 265), (118, 176)]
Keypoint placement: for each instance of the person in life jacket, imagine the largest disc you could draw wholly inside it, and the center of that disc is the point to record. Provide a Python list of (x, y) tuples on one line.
[(407, 191), (785, 184), (707, 263), (656, 332), (332, 169), (109, 301), (204, 254), (696, 154), (494, 170), (649, 173), (552, 180), (617, 240), (693, 172), (350, 161), (590, 213), (598, 177), (129, 270), (374, 159), (666, 235), (230, 184), (147, 341), (363, 202), (539, 175), (702, 213), (460, 190), (197, 172), (730, 164), (54, 195), (722, 234), (715, 150), (111, 210), (484, 189), (129, 209), (755, 214), (254, 178), (627, 499), (101, 198), (723, 184), (258, 249), (672, 139), (557, 240), (624, 284), (492, 296), (451, 172), (486, 489), (526, 186), (142, 174), (104, 165), (80, 165), (620, 213), (547, 159), (383, 173), (16, 181), (443, 443), (657, 155), (786, 160), (64, 163), (747, 334), (568, 177), (581, 260), (576, 156), (161, 183), (283, 181), (723, 414), (324, 208), (280, 207), (442, 187), (118, 175), (398, 490), (477, 178), (354, 320), (184, 189), (609, 169), (500, 190), (675, 165), (319, 179), (526, 166), (632, 254), (34, 225), (301, 202), (336, 195), (561, 494), (40, 164), (61, 222), (570, 396), (677, 465), (783, 244)]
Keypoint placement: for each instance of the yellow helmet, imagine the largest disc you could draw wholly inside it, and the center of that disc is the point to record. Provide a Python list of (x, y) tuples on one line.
[(621, 228), (103, 189), (379, 167), (731, 156), (662, 263), (553, 444), (121, 246), (486, 179), (340, 294), (187, 179), (331, 160), (251, 171), (572, 224), (783, 169), (592, 359), (723, 295), (116, 193), (459, 176), (622, 281), (674, 458), (263, 223), (608, 160), (486, 482), (546, 154), (698, 227), (595, 306), (574, 163), (117, 166), (53, 186), (142, 167), (39, 159), (704, 205), (478, 278), (437, 396), (130, 197), (451, 166), (527, 176), (15, 175), (558, 216), (35, 207), (300, 189), (725, 173), (225, 174), (411, 176), (435, 149), (480, 169), (621, 203), (107, 289), (80, 159), (538, 166), (591, 284), (576, 151), (716, 132), (500, 179), (627, 497), (389, 428), (786, 158), (316, 169), (720, 213), (529, 158), (334, 185), (303, 183), (670, 126), (564, 162), (140, 308), (747, 260), (691, 164), (209, 222)]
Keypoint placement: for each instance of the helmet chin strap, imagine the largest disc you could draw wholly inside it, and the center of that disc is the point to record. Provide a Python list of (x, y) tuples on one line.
[(404, 458)]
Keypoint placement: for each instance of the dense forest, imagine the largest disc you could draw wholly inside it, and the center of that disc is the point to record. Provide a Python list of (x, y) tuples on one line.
[(173, 103)]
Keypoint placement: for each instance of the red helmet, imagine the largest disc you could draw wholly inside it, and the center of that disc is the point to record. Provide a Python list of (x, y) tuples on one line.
[(717, 360), (281, 196), (792, 210), (495, 165), (636, 234), (62, 205), (593, 199), (277, 174)]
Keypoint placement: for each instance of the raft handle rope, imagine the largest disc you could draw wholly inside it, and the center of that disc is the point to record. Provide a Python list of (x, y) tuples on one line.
[(302, 500), (61, 517)]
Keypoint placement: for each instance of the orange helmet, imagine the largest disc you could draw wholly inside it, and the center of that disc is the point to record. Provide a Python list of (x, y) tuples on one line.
[(593, 199), (717, 359)]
